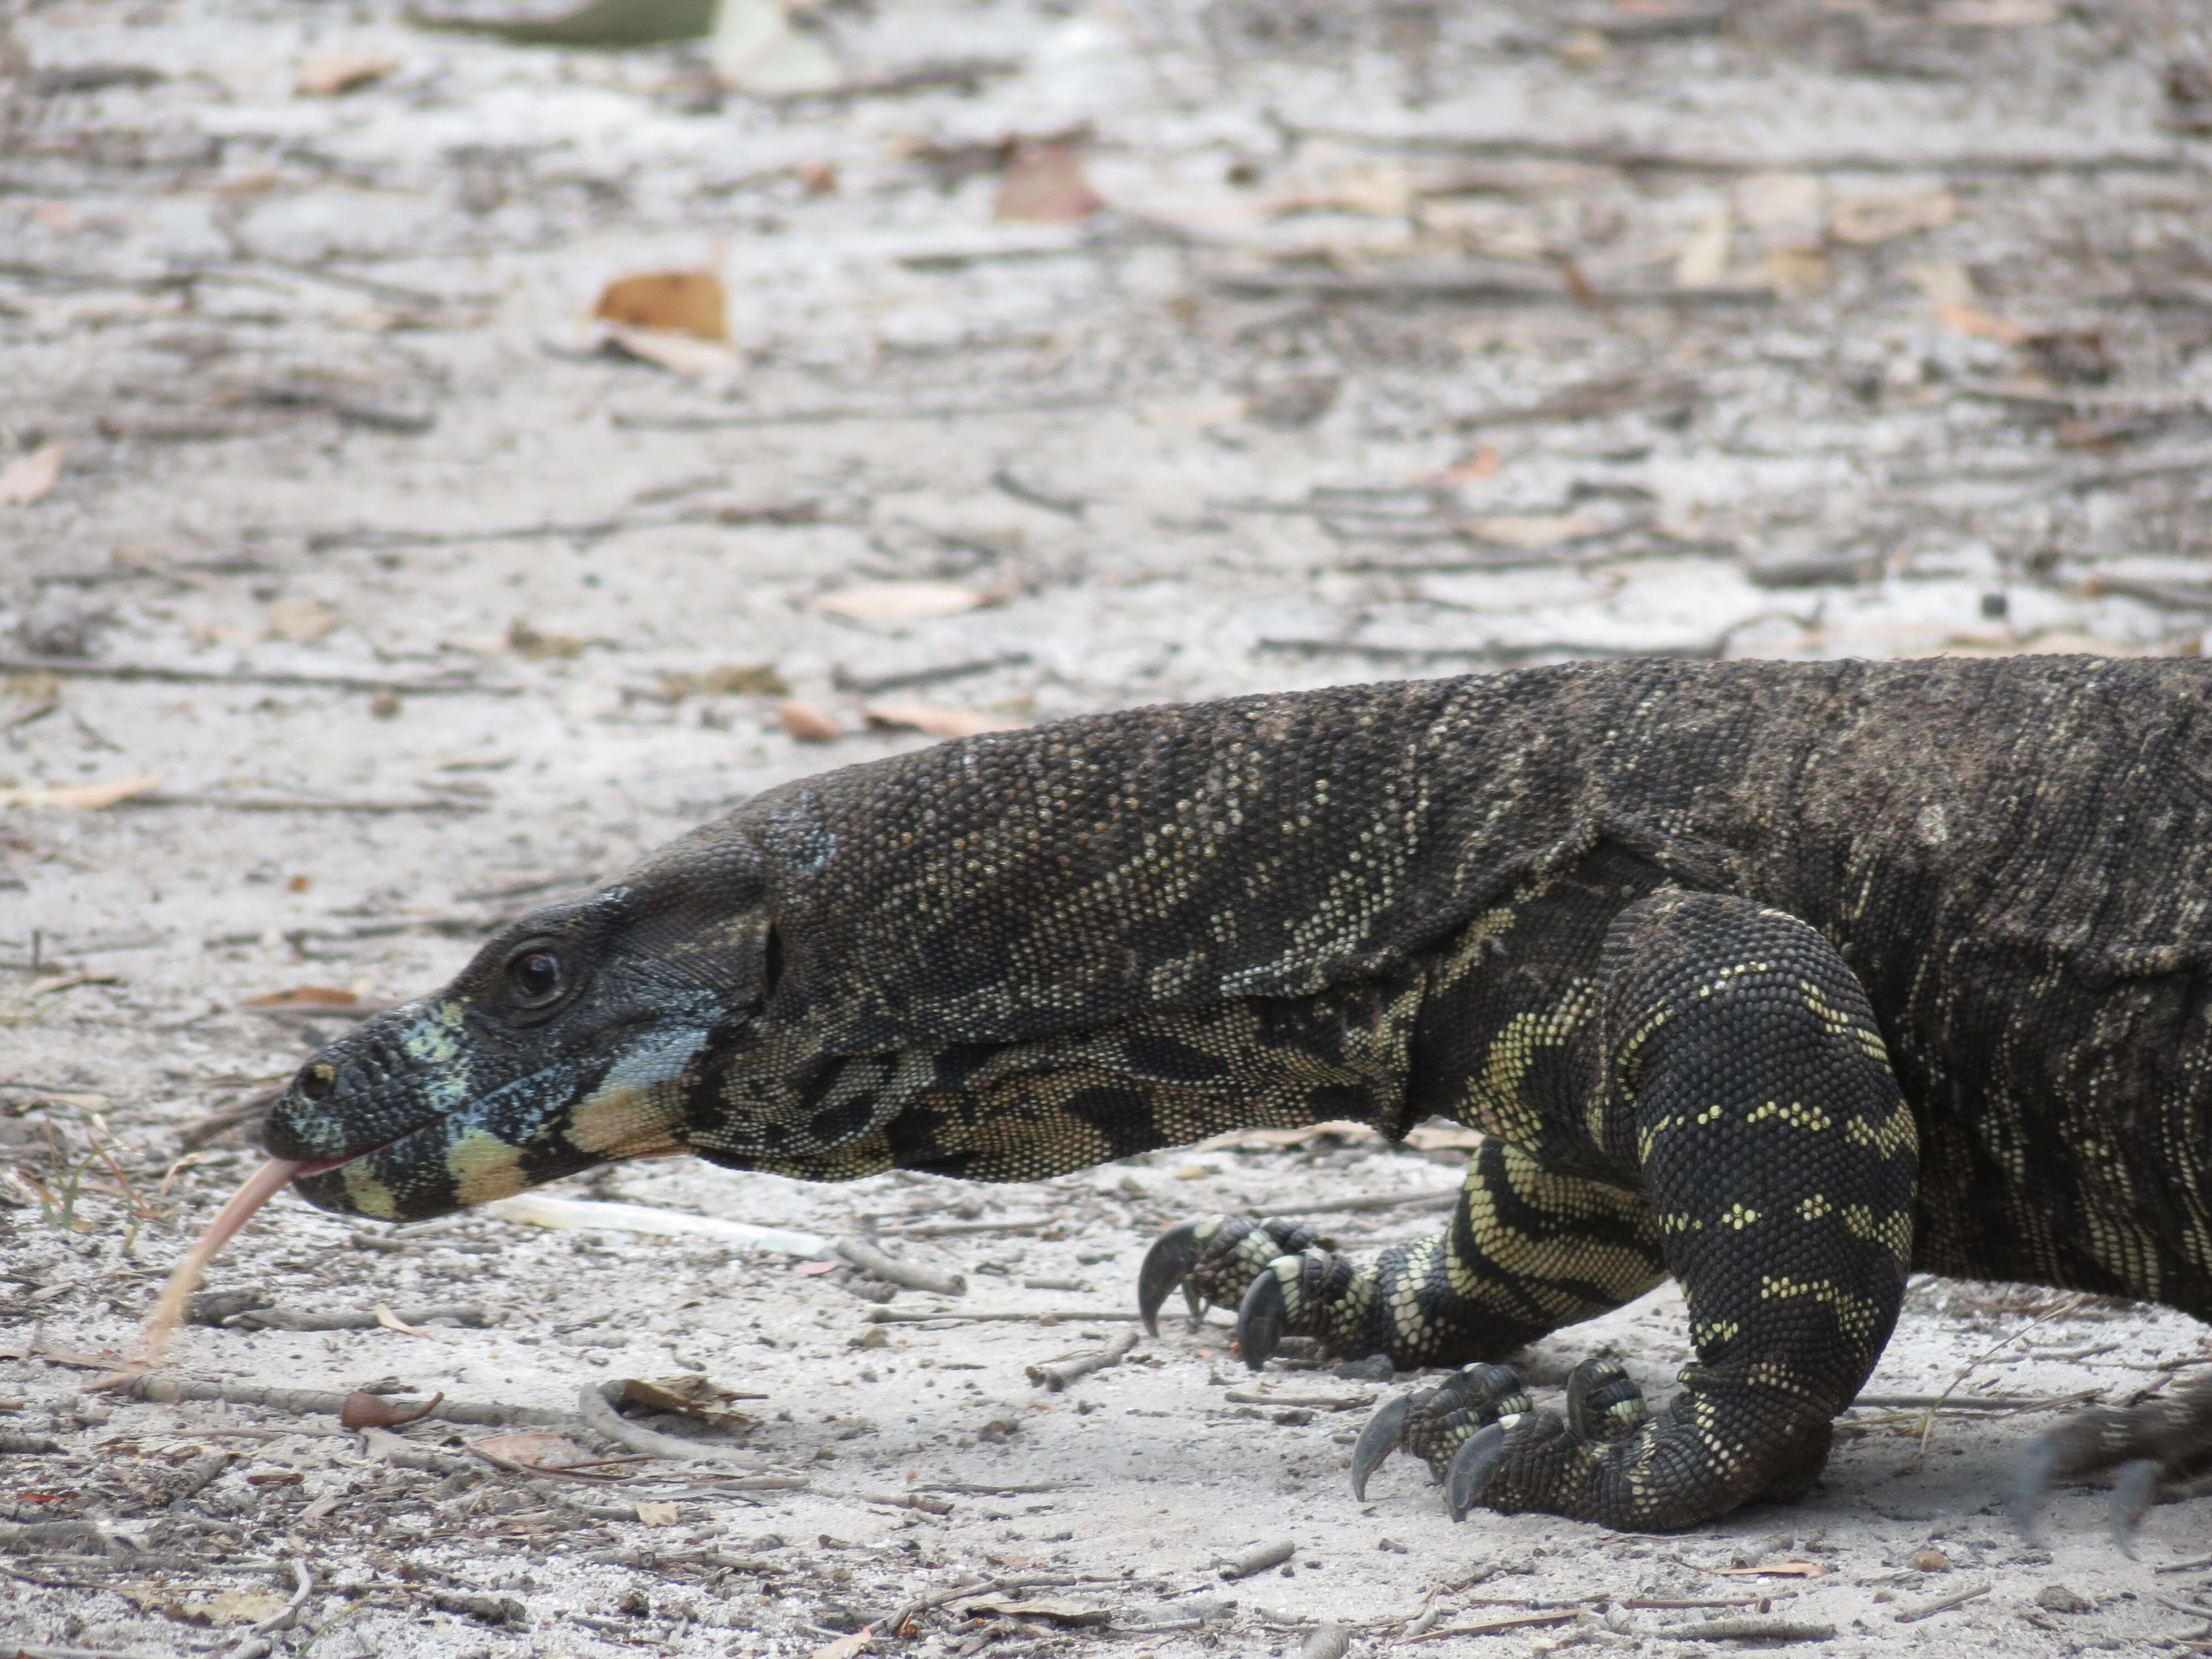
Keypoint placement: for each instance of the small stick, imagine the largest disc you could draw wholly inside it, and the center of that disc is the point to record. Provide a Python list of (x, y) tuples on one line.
[(1611, 153), (304, 1585), (172, 1391), (908, 1500), (1258, 1559), (828, 413), (893, 1271), (1751, 1630), (875, 685), (352, 1319), (968, 73), (962, 1228), (299, 803), (1472, 285), (1913, 1614), (967, 1490), (72, 668), (1057, 1374), (1517, 1622), (1043, 1316), (514, 1466), (1320, 1402)]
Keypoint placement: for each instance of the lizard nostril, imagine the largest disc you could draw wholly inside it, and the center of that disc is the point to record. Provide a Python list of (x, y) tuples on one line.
[(316, 1081)]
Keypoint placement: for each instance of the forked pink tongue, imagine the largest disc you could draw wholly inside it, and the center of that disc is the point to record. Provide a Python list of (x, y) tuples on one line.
[(264, 1184)]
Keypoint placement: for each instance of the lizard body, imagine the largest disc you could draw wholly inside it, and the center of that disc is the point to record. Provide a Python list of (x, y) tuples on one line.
[(1783, 978)]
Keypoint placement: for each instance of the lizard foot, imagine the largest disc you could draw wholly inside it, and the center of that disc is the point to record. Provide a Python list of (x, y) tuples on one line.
[(2158, 1451), (1464, 1426), (1278, 1275)]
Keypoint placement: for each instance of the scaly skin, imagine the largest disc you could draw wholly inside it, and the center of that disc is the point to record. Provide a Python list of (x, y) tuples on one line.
[(1778, 978)]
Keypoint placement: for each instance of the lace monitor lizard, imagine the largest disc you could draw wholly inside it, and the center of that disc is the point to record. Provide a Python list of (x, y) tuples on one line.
[(1780, 978)]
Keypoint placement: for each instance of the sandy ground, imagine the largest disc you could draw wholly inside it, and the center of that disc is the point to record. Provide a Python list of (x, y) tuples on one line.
[(1409, 340)]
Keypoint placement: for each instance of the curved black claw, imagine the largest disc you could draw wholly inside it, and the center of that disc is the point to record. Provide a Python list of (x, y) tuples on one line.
[(1376, 1442), (1479, 1453), (1260, 1321), (2031, 1484), (1167, 1264), (2134, 1484)]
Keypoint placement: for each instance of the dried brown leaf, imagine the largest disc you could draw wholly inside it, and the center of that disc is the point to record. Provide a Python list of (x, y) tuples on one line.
[(683, 302), (900, 601), (1704, 257), (1992, 13), (328, 74), (304, 996), (804, 721), (527, 642), (303, 620), (939, 722), (361, 1410), (1792, 272), (756, 679), (234, 1607), (1478, 464), (1864, 219), (692, 1396), (392, 1321), (1534, 531), (1202, 409), (1046, 186), (1981, 325), (537, 1447), (1057, 1609), (27, 477), (84, 797)]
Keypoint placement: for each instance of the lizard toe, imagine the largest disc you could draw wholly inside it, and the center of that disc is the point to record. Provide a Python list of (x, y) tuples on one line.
[(1476, 1459)]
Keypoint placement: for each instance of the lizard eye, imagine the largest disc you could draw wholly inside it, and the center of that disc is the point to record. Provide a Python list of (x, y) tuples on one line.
[(535, 979)]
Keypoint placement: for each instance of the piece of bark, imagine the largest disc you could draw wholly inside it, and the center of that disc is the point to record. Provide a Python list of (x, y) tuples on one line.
[(352, 1319), (1057, 1374), (176, 1390), (1258, 1559), (894, 1270)]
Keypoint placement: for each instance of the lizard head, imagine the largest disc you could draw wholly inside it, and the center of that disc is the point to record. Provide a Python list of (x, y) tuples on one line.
[(572, 1039)]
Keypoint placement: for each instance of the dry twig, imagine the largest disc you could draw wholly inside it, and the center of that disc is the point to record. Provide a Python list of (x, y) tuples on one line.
[(1057, 1374)]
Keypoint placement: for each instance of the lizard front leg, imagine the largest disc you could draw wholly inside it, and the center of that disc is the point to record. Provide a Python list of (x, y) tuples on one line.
[(1527, 1252), (1739, 1069)]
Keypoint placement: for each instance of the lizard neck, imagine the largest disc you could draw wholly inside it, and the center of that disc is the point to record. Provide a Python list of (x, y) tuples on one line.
[(1044, 1106)]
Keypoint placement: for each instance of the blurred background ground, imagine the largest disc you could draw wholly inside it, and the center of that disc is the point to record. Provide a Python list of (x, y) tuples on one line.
[(360, 587)]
